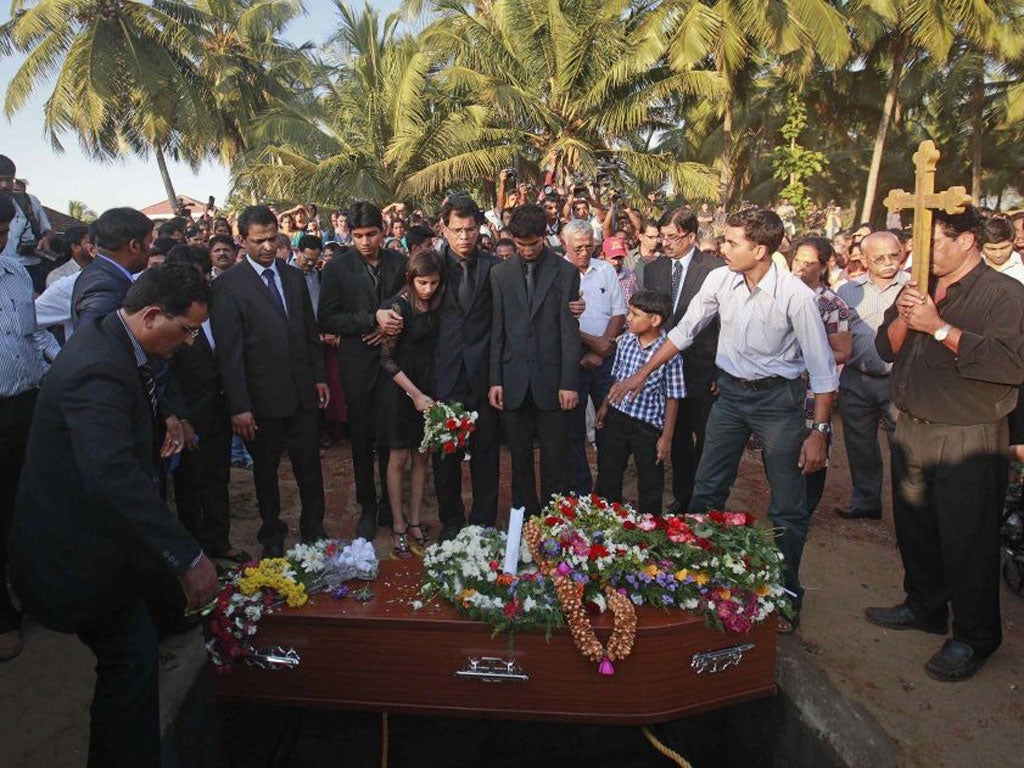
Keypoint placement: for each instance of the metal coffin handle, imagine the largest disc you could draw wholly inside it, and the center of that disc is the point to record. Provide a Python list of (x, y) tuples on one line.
[(491, 669), (274, 658), (714, 662)]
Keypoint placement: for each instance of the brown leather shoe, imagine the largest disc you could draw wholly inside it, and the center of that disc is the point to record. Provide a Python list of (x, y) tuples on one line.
[(10, 644)]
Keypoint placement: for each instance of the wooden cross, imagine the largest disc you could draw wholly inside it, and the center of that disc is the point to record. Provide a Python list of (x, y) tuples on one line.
[(923, 200)]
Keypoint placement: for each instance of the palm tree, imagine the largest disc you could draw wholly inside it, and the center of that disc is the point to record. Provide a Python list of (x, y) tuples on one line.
[(573, 82), (125, 81), (79, 210)]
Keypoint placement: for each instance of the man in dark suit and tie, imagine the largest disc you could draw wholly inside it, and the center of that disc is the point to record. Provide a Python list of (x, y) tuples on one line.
[(680, 274), (123, 237), (353, 287), (201, 478), (535, 354), (89, 522), (462, 366), (272, 367)]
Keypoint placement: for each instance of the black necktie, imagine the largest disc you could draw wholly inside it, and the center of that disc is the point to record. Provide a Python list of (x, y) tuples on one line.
[(268, 275), (149, 384), (530, 282), (677, 278), (465, 293)]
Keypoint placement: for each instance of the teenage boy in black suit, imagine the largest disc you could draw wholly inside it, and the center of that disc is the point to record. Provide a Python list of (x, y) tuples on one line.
[(272, 367), (353, 287), (535, 353), (90, 523)]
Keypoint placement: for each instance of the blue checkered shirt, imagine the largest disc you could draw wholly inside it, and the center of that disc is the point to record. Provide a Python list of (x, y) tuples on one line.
[(666, 382)]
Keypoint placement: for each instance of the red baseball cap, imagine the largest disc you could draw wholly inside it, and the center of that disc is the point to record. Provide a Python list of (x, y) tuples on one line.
[(613, 246)]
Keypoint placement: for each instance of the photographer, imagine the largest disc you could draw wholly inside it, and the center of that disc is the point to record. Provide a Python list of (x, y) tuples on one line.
[(30, 230)]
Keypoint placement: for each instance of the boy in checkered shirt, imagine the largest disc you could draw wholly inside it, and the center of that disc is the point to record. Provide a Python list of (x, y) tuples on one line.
[(642, 426)]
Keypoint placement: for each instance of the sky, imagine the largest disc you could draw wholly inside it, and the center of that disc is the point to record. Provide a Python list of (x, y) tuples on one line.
[(57, 178)]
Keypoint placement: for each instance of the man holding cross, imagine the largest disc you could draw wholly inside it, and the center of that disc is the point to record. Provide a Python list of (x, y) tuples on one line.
[(957, 363)]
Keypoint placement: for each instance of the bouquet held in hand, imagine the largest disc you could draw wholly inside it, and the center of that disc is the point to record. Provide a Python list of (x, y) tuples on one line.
[(447, 427)]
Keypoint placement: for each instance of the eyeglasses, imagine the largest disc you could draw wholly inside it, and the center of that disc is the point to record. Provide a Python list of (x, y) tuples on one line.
[(676, 238), (886, 258), (464, 232), (188, 330)]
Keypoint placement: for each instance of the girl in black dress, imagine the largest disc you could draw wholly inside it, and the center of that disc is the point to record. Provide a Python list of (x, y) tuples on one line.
[(408, 359)]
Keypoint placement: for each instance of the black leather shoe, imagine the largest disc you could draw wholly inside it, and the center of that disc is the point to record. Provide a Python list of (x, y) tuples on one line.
[(450, 531), (273, 550), (366, 528), (675, 508), (953, 662), (901, 617), (859, 514), (315, 537)]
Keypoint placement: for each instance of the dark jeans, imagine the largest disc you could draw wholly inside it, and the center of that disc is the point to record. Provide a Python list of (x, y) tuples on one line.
[(362, 434), (864, 402), (688, 444), (125, 727), (815, 483), (483, 470), (594, 384), (950, 484), (201, 484), (624, 435), (551, 430), (15, 419), (776, 417), (300, 435)]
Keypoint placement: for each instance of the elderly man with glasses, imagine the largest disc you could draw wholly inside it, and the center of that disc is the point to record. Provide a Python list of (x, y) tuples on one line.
[(864, 384)]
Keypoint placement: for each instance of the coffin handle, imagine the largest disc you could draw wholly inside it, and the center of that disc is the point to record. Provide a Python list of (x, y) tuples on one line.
[(491, 669), (274, 658), (714, 662)]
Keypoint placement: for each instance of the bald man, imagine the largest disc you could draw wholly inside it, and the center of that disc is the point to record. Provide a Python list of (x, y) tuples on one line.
[(864, 384)]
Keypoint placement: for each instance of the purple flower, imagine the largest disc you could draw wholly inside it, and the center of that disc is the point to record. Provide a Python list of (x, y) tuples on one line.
[(580, 578), (563, 569), (666, 599), (631, 579), (550, 547)]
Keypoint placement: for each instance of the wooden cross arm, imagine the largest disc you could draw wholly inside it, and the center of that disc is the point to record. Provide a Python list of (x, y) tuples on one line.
[(953, 200)]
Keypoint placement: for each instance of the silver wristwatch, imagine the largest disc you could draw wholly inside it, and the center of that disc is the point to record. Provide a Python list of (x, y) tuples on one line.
[(941, 333), (822, 426)]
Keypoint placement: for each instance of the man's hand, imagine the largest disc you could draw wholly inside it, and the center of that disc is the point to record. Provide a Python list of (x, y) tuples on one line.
[(174, 439), (390, 322), (244, 425), (330, 340), (567, 399), (199, 584), (599, 417), (373, 339), (191, 438), (578, 306), (503, 174), (627, 389), (663, 448), (323, 396), (590, 361), (602, 346), (496, 397), (908, 299), (813, 453), (924, 317)]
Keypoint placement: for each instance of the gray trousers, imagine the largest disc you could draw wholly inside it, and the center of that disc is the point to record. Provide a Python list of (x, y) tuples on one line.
[(864, 403), (776, 417)]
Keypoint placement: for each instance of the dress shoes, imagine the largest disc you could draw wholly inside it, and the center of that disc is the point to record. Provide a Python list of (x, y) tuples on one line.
[(853, 513), (953, 662), (273, 550), (675, 508), (315, 537), (11, 644), (366, 528), (901, 617)]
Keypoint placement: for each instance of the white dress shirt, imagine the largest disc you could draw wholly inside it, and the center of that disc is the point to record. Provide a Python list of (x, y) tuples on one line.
[(53, 306), (600, 287), (685, 262), (277, 276), (773, 330), (1012, 267), (70, 267)]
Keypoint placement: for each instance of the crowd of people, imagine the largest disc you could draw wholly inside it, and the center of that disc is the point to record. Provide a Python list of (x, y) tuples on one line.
[(157, 356)]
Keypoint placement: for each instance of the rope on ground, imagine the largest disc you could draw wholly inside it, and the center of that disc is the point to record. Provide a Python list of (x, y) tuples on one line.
[(671, 754), (383, 740)]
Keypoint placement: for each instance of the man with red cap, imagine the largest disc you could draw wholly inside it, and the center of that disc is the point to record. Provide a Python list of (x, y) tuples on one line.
[(614, 251)]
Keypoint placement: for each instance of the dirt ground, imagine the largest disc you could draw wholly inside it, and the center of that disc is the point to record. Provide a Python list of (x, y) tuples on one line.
[(848, 565)]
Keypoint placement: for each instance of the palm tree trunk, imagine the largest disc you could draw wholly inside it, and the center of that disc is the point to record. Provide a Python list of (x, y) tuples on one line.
[(725, 178), (166, 176), (977, 129), (883, 128)]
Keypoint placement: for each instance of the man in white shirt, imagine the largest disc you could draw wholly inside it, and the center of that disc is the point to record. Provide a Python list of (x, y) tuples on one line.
[(771, 332), (81, 250), (30, 229), (999, 250), (600, 324)]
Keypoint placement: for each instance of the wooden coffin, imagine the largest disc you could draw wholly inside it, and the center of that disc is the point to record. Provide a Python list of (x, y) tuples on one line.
[(382, 655)]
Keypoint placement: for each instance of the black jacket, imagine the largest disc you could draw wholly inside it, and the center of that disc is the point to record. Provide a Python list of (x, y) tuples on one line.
[(89, 503), (99, 290)]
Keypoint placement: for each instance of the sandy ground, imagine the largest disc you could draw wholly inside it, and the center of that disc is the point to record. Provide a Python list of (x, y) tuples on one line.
[(45, 693)]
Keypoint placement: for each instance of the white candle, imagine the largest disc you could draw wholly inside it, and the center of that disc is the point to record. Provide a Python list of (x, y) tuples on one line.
[(515, 538)]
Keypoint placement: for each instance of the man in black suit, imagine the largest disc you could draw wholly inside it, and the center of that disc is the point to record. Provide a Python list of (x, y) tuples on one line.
[(353, 288), (462, 366), (272, 367), (89, 521), (201, 478), (680, 274), (535, 354)]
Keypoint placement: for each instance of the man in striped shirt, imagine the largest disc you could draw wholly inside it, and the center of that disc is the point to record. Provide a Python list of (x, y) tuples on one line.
[(23, 354)]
